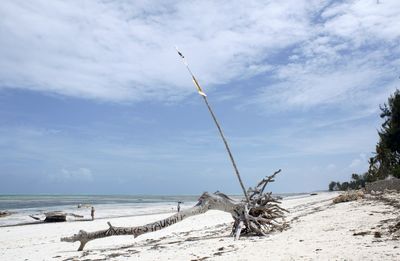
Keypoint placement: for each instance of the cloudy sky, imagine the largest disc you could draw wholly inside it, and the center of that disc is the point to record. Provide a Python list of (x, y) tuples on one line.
[(94, 99)]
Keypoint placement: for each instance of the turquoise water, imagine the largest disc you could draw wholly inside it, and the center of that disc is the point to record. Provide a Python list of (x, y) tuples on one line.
[(14, 202), (107, 206)]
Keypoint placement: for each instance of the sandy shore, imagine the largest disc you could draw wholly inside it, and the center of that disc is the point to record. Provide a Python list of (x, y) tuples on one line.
[(320, 230)]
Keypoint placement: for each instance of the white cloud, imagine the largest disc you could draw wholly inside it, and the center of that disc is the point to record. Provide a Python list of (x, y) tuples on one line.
[(72, 175), (351, 139), (307, 86), (350, 59), (124, 50), (363, 21), (337, 52), (84, 174), (331, 167), (311, 55), (355, 163), (360, 163)]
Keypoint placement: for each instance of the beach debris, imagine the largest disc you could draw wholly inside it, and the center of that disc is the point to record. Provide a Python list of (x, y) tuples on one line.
[(350, 195), (377, 234), (362, 233), (34, 217), (390, 226), (394, 228), (55, 216), (260, 216), (4, 213)]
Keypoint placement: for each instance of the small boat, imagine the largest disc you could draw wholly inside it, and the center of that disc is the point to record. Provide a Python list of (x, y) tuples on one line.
[(56, 216), (4, 213)]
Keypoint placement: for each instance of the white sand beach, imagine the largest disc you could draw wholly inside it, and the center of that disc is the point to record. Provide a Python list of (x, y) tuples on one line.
[(319, 230)]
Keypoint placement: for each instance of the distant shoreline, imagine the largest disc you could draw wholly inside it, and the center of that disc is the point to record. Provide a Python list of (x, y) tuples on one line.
[(108, 206), (318, 228)]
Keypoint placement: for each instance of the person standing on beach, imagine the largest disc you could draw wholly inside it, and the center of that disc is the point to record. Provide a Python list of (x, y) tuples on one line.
[(92, 213), (179, 206)]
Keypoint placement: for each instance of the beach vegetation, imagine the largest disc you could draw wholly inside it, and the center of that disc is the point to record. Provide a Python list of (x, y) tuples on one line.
[(356, 182), (386, 159)]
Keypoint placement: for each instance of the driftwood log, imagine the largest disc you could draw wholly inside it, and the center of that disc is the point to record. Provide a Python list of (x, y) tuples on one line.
[(260, 216)]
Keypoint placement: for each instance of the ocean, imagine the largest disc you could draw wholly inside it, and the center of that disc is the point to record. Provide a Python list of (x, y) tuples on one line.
[(106, 206)]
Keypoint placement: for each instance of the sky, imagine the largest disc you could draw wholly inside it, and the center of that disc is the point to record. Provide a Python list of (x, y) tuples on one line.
[(95, 100)]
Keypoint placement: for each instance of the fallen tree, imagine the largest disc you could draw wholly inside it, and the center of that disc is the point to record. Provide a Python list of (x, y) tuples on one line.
[(260, 216)]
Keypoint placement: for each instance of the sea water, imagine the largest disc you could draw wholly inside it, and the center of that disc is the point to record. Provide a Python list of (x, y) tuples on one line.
[(106, 206)]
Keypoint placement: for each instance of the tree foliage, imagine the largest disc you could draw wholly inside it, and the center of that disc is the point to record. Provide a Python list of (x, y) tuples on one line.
[(386, 160), (358, 181), (332, 185)]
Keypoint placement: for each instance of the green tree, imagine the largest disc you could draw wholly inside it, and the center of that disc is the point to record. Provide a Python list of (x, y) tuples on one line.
[(345, 186), (386, 160), (387, 155), (332, 185), (358, 181)]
